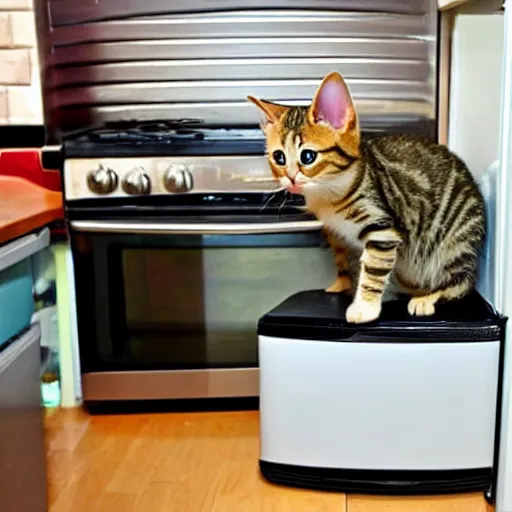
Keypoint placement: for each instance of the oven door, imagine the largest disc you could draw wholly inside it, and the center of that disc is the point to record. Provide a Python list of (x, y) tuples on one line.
[(170, 310)]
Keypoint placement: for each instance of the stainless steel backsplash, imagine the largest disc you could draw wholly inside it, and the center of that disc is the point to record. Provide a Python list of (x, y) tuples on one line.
[(160, 59)]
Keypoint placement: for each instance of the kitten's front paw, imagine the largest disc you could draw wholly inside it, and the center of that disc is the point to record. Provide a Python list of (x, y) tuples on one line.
[(342, 284), (422, 306), (361, 312)]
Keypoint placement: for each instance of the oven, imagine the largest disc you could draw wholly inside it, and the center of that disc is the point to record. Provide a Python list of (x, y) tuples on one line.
[(170, 309), (170, 287)]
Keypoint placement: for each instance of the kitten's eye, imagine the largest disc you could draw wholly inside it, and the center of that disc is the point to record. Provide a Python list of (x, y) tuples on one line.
[(307, 156), (279, 157)]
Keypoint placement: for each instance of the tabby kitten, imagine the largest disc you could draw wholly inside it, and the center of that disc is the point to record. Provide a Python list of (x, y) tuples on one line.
[(405, 209)]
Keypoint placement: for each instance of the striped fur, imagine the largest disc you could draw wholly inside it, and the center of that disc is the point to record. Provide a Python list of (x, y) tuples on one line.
[(405, 209)]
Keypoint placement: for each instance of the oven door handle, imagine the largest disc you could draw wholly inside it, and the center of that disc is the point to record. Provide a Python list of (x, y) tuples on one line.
[(210, 228)]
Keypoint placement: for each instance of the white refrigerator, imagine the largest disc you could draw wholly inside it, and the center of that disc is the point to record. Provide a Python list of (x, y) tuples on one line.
[(503, 263)]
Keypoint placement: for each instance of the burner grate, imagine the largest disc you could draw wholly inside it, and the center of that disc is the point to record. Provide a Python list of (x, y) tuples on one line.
[(160, 132)]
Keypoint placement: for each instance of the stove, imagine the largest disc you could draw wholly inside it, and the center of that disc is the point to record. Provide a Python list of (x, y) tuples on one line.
[(159, 158), (181, 240)]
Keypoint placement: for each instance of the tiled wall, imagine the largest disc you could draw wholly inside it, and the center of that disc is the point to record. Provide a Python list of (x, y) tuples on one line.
[(20, 89)]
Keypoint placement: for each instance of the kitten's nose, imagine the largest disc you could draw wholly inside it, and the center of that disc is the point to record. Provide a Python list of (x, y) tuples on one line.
[(292, 174)]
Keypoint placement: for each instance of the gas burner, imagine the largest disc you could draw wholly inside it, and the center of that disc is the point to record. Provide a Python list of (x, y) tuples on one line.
[(140, 135), (154, 125), (159, 131)]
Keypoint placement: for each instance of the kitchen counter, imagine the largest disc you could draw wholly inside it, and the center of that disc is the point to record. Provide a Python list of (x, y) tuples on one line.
[(26, 207)]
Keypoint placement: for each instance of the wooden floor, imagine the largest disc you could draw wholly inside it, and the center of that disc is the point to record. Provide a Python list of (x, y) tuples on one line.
[(189, 462)]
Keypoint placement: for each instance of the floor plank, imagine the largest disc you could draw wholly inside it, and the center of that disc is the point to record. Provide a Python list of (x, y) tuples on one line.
[(241, 488), (473, 502), (116, 502)]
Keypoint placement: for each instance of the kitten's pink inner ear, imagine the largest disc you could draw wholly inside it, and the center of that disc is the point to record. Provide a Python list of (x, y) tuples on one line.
[(333, 104)]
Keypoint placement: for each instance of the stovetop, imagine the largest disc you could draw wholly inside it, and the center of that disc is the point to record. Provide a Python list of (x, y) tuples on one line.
[(125, 160), (167, 164), (181, 137), (129, 159)]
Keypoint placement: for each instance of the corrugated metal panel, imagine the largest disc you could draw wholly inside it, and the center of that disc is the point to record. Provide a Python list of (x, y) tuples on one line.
[(68, 12), (275, 90), (241, 69), (246, 24), (240, 48), (236, 113), (128, 59)]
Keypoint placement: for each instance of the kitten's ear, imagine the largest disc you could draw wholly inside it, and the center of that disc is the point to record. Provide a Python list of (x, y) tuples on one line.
[(333, 104), (271, 111)]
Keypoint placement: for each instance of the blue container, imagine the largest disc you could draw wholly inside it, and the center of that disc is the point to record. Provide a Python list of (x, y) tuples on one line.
[(16, 299)]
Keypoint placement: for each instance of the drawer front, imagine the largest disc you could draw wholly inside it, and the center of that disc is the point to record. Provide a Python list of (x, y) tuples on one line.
[(380, 408), (22, 458)]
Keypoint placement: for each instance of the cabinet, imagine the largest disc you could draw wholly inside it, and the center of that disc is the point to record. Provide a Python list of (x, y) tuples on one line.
[(22, 448)]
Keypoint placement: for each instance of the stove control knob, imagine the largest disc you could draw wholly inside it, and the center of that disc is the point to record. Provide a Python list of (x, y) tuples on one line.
[(102, 180), (178, 179), (137, 182)]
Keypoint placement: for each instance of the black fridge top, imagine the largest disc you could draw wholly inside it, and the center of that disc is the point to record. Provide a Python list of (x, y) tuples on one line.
[(317, 315)]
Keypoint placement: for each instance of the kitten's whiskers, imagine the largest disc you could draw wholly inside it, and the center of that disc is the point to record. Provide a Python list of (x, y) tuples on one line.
[(285, 198), (268, 201)]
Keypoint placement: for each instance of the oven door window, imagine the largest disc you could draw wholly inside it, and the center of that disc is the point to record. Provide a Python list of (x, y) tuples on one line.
[(195, 304)]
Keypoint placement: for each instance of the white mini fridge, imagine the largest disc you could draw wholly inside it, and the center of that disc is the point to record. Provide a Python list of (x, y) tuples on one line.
[(402, 405)]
